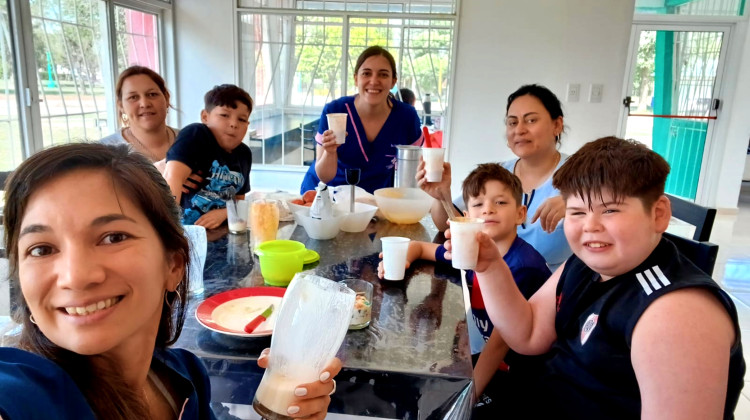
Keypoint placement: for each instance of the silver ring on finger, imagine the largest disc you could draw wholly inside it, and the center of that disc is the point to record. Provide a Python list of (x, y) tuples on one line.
[(334, 387)]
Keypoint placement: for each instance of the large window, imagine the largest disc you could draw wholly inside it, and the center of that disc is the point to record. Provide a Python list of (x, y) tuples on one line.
[(63, 56), (293, 63)]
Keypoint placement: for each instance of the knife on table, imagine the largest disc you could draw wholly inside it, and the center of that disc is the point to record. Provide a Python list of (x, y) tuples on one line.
[(252, 325)]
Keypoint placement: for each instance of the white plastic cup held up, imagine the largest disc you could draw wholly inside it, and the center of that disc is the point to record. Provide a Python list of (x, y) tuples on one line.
[(433, 163), (337, 124), (464, 245)]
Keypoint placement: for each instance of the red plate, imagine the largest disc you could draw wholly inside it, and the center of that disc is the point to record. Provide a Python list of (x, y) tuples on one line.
[(230, 311)]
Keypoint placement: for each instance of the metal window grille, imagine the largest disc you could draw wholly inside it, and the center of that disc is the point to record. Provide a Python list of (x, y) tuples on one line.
[(697, 61), (67, 39), (388, 6), (137, 38)]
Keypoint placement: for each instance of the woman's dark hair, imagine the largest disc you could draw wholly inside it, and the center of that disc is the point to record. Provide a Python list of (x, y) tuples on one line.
[(373, 51), (135, 71), (138, 180), (548, 99)]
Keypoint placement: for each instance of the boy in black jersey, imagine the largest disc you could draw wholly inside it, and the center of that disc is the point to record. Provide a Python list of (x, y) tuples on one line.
[(214, 149), (631, 328)]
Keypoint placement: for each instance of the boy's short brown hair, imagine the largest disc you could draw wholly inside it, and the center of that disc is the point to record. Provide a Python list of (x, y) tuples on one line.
[(227, 95), (624, 167), (474, 183)]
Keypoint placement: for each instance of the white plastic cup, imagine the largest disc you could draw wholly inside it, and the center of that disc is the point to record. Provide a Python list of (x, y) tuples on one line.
[(433, 163), (464, 245), (197, 239), (237, 215), (395, 249), (337, 124)]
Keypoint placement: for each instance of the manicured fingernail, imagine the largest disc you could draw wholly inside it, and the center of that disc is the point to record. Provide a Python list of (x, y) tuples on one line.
[(324, 376), (293, 409), (300, 392)]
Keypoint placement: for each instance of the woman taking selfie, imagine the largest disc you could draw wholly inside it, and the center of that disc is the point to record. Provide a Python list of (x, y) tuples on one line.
[(97, 327), (376, 124)]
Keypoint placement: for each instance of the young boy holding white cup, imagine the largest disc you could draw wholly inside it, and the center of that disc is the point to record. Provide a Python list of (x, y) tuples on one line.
[(493, 194)]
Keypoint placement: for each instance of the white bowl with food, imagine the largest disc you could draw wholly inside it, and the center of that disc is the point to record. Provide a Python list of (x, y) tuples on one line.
[(403, 205)]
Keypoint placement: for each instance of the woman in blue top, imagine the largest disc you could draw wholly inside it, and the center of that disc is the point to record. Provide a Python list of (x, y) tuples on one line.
[(95, 244), (533, 125), (376, 124)]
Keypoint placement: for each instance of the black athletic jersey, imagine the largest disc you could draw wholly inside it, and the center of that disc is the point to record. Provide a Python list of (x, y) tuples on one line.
[(589, 374)]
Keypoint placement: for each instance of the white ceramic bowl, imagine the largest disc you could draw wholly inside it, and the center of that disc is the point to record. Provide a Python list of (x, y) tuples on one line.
[(403, 205), (316, 228), (357, 221)]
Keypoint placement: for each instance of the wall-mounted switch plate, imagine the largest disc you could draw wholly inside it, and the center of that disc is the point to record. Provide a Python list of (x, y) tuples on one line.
[(574, 92), (596, 91)]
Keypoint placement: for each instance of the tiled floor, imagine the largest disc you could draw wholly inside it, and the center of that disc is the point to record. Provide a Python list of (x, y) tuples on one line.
[(732, 234)]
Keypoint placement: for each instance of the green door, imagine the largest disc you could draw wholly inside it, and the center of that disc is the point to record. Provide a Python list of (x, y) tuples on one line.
[(672, 102)]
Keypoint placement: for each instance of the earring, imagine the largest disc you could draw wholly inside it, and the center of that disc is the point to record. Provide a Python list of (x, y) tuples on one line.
[(31, 318), (557, 138), (176, 298)]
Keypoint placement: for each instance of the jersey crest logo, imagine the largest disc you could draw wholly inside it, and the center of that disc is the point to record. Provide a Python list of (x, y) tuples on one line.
[(588, 327)]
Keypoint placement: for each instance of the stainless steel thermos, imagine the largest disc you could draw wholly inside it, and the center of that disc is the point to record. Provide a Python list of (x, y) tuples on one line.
[(407, 160)]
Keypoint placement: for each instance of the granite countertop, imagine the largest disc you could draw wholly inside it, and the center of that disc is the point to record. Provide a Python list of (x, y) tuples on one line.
[(418, 332)]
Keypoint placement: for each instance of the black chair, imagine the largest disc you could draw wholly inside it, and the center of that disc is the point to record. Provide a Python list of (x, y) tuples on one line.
[(702, 254), (308, 140), (700, 217)]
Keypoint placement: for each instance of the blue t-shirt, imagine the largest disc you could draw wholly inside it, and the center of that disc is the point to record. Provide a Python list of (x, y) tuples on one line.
[(529, 271), (553, 246), (375, 159), (225, 174), (33, 387)]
